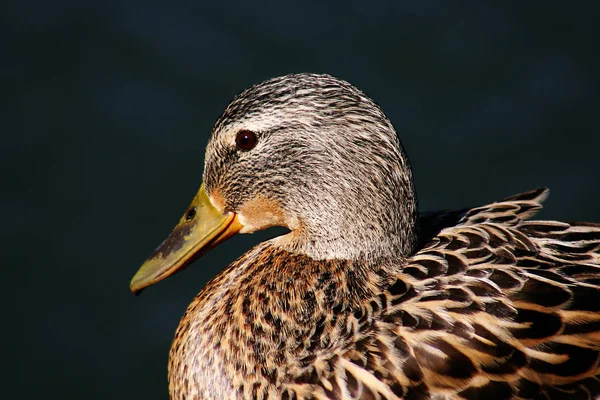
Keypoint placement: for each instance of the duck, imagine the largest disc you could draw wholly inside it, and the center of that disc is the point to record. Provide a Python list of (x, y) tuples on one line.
[(364, 297)]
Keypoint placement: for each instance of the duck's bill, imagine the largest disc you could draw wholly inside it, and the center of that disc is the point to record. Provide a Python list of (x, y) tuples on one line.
[(201, 228)]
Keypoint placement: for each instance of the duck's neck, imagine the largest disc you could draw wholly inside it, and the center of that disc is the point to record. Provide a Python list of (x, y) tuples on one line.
[(385, 226), (268, 309), (362, 210)]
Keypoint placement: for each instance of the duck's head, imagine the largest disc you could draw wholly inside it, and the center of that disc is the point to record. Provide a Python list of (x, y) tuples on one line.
[(308, 152)]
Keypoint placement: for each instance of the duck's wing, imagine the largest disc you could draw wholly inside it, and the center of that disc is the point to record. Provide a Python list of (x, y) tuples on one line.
[(431, 223), (495, 307), (509, 211)]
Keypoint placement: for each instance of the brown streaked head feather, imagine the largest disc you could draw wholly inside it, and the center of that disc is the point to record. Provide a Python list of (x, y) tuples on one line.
[(312, 133)]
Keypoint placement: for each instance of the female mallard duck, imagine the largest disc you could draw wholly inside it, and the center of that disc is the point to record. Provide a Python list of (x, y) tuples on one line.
[(364, 298)]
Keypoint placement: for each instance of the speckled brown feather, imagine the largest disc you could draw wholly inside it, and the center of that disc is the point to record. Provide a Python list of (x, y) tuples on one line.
[(494, 307)]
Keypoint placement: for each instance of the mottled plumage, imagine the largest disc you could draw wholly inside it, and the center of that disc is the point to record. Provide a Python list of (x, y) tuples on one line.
[(363, 299)]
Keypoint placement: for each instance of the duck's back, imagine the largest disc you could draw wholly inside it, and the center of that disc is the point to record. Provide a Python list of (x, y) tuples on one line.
[(494, 307)]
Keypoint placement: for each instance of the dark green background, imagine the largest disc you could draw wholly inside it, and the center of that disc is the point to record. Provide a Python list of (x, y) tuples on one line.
[(107, 106)]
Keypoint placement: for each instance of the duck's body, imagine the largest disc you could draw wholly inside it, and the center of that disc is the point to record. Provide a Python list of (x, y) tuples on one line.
[(255, 330), (371, 302)]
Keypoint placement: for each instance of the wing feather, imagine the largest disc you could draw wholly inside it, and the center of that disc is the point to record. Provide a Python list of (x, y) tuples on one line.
[(494, 304)]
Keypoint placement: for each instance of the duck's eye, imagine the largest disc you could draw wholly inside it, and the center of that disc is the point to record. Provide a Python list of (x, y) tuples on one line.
[(245, 140), (190, 214)]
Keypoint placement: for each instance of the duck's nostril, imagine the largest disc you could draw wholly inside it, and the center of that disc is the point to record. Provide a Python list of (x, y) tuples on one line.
[(191, 213)]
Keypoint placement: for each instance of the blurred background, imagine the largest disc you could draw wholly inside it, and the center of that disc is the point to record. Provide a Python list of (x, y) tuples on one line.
[(107, 107)]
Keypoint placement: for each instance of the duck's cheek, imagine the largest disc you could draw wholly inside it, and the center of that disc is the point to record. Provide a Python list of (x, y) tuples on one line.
[(261, 213), (217, 200)]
